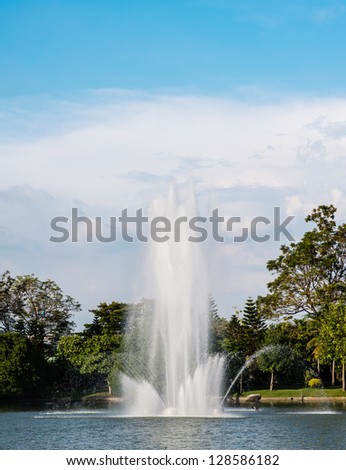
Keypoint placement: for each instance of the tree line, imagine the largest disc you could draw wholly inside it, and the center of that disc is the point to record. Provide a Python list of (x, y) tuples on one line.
[(295, 335)]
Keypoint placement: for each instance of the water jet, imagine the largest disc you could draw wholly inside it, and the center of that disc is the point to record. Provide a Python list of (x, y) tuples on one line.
[(170, 339)]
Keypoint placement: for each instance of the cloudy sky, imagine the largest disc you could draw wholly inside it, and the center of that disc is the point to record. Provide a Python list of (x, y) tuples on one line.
[(105, 104)]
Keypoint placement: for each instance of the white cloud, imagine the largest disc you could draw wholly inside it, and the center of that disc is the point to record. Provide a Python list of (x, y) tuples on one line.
[(329, 13), (294, 204), (336, 197), (114, 150)]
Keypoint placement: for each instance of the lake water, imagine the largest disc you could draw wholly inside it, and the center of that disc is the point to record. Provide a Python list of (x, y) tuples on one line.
[(272, 427)]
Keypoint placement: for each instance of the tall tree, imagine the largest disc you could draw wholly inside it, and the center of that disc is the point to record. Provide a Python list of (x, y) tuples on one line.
[(37, 309), (333, 335), (311, 273), (254, 327), (233, 341)]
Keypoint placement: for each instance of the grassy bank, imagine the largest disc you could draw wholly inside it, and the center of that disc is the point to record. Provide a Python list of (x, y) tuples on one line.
[(330, 392)]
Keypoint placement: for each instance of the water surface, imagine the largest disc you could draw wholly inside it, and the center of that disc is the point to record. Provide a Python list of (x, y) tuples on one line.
[(272, 427)]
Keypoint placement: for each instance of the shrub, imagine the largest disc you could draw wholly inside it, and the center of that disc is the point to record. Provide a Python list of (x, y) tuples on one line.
[(315, 383)]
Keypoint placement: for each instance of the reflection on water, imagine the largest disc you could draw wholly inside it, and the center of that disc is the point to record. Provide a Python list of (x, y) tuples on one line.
[(272, 427)]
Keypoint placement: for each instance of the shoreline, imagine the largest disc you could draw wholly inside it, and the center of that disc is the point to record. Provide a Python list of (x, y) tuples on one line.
[(67, 401), (242, 400), (302, 399)]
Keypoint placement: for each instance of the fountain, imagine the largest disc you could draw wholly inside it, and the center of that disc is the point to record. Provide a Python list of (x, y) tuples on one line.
[(171, 371)]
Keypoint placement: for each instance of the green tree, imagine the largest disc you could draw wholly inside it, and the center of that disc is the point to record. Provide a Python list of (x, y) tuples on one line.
[(20, 366), (97, 351), (37, 309), (294, 333), (254, 327), (108, 319), (233, 341), (311, 273), (96, 355), (277, 359), (89, 355), (333, 335)]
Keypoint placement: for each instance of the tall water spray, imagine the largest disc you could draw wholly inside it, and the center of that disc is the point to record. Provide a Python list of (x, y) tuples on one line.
[(169, 370)]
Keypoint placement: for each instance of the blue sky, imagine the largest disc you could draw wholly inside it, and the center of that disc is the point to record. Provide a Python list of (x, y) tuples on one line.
[(207, 46), (103, 104)]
